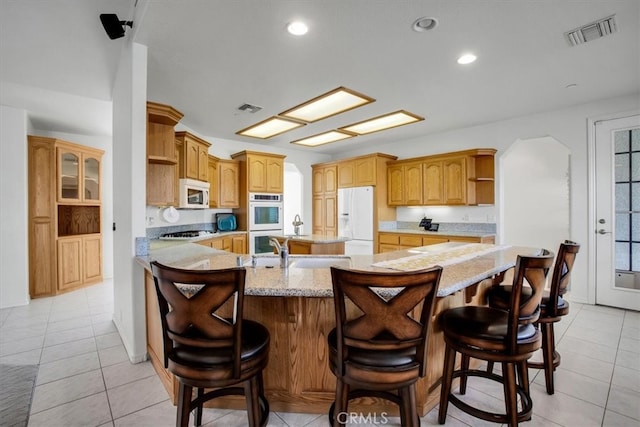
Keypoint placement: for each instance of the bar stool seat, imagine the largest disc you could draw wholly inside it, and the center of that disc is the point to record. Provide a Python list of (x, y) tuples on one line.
[(496, 335), (379, 345), (206, 349)]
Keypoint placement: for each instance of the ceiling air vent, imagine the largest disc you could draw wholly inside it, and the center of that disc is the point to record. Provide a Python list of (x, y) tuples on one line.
[(249, 108), (592, 31)]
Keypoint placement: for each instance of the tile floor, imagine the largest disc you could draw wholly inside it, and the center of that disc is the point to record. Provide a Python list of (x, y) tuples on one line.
[(85, 378)]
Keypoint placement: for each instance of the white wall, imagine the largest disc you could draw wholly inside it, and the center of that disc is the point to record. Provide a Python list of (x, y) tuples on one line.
[(535, 193), (129, 183), (14, 231), (568, 126)]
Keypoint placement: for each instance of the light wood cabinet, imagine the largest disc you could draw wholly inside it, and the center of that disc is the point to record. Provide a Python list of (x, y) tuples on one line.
[(390, 241), (460, 178), (263, 172), (79, 261), (357, 172), (162, 155), (224, 183), (78, 178), (325, 200), (65, 241), (236, 243), (404, 182), (193, 160)]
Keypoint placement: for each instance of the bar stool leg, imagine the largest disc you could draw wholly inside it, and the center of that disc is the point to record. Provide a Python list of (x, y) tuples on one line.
[(408, 413), (548, 350), (445, 388), (466, 359), (510, 394), (341, 403), (184, 405)]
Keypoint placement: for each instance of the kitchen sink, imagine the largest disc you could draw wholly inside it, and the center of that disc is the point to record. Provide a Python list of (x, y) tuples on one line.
[(303, 261), (319, 262)]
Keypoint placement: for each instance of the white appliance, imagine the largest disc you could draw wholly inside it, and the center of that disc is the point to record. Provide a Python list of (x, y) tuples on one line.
[(194, 194), (265, 219), (265, 212), (355, 219)]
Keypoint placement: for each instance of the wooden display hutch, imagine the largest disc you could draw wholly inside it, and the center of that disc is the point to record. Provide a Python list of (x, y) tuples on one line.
[(65, 239)]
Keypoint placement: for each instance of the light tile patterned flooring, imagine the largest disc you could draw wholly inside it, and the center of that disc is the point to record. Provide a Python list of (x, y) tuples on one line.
[(85, 378)]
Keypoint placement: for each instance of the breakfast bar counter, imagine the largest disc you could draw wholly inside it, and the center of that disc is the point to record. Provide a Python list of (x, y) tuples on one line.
[(296, 305)]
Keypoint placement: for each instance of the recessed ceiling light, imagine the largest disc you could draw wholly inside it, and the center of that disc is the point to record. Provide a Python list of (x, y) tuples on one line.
[(424, 24), (467, 58), (297, 28), (270, 127), (323, 138), (387, 121), (328, 104)]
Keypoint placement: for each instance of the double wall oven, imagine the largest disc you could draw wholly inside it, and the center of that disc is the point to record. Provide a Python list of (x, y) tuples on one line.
[(265, 219)]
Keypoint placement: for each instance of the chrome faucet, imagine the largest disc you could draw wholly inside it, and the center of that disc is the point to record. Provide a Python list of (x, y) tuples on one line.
[(297, 222), (283, 251)]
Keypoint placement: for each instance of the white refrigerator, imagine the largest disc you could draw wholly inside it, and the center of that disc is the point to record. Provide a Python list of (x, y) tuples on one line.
[(355, 219)]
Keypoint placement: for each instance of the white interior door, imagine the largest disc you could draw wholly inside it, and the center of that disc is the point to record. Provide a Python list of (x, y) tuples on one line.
[(617, 228)]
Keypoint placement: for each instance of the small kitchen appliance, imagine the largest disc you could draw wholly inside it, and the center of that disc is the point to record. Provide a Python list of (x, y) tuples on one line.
[(226, 222)]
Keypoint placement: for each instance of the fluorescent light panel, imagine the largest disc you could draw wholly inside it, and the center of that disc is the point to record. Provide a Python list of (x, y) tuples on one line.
[(271, 127), (387, 121), (329, 104), (323, 138)]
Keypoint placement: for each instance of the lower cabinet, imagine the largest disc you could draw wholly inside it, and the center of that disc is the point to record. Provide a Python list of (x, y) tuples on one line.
[(389, 242), (79, 261), (235, 243)]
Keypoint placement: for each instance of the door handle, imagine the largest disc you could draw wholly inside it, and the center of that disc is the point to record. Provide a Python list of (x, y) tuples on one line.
[(601, 231)]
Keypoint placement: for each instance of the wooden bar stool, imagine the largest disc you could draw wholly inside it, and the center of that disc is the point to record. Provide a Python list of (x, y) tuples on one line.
[(496, 335), (204, 350), (552, 308), (383, 347)]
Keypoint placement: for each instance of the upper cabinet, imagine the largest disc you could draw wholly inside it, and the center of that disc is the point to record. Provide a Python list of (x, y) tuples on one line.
[(78, 174), (459, 178), (224, 183), (193, 161), (359, 171), (162, 155), (263, 172)]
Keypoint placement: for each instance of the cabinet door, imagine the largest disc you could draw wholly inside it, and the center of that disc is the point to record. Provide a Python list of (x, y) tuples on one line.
[(331, 215), (346, 174), (161, 185), (91, 178), (217, 244), (317, 181), (331, 179), (68, 169), (385, 247), (214, 190), (413, 184), (365, 171), (275, 175), (160, 142), (192, 159), (92, 262), (455, 181), (239, 244), (203, 163), (229, 187), (69, 263), (395, 185), (317, 218), (257, 174), (432, 183)]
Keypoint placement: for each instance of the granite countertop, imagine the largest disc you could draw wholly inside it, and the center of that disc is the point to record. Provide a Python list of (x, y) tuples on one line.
[(316, 282), (312, 238), (161, 243), (437, 233)]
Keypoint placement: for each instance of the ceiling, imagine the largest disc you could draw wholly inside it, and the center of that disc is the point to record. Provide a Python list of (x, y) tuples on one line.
[(208, 57)]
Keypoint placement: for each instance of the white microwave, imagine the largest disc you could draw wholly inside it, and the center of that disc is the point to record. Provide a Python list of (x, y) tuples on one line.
[(194, 194)]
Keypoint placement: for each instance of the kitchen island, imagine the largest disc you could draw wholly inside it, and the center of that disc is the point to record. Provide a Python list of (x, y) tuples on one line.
[(313, 244), (296, 305)]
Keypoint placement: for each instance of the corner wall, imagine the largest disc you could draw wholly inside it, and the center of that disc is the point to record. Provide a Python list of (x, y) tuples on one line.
[(14, 231)]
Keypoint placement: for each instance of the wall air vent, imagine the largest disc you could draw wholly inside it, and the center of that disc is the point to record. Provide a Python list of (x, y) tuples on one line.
[(592, 31), (249, 108)]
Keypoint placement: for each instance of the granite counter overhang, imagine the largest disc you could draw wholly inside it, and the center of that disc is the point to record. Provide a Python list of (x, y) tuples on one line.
[(316, 282)]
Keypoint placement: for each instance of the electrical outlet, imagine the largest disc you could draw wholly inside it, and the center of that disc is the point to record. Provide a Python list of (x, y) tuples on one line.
[(465, 217)]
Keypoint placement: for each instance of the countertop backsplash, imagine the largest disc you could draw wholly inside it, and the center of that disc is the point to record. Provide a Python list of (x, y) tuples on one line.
[(457, 227)]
